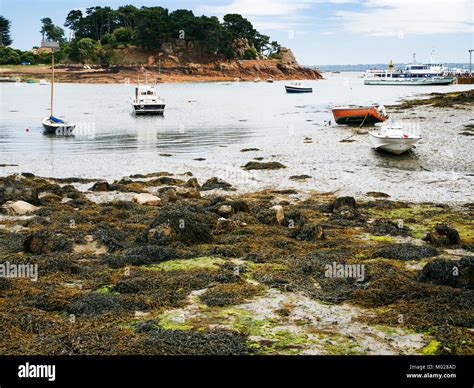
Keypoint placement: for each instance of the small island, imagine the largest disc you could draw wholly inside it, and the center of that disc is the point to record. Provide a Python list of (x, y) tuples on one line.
[(118, 45)]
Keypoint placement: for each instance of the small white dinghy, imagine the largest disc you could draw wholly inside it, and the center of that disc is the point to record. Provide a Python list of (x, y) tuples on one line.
[(393, 138)]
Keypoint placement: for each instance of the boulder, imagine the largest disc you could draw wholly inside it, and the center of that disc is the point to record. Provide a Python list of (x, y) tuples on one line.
[(187, 192), (147, 199), (47, 242), (279, 213), (406, 252), (100, 186), (224, 210), (168, 195), (18, 208), (287, 56), (263, 166), (215, 183), (193, 182), (15, 191), (448, 272), (443, 235), (345, 207)]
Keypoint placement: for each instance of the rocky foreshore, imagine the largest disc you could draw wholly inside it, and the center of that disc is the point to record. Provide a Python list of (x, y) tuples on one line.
[(163, 264), (242, 70)]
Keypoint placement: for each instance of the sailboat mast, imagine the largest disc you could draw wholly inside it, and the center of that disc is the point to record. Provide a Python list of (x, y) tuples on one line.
[(52, 85)]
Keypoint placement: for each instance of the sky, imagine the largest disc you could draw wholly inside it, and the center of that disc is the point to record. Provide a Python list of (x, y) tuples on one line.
[(320, 32)]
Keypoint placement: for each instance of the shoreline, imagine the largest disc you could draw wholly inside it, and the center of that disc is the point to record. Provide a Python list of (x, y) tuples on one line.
[(246, 70), (449, 187)]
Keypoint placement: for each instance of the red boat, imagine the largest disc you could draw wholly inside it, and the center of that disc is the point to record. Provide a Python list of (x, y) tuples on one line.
[(359, 115)]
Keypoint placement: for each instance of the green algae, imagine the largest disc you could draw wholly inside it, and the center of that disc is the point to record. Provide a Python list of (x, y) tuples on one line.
[(381, 238), (431, 348), (206, 262)]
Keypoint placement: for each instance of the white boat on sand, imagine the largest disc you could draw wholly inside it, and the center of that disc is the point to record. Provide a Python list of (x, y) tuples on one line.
[(393, 138)]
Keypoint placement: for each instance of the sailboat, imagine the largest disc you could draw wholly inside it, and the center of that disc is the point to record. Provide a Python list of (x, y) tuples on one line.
[(53, 124)]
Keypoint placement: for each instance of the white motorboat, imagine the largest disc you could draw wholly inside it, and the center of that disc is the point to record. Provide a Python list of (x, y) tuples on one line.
[(393, 138), (52, 124), (146, 100), (43, 82)]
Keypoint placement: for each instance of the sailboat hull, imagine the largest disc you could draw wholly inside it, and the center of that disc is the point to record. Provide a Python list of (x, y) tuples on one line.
[(50, 127)]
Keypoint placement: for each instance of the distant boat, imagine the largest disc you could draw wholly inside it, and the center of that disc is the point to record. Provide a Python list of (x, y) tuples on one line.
[(296, 87), (43, 82), (269, 80), (146, 100), (393, 138), (359, 115), (257, 79), (53, 124), (413, 74)]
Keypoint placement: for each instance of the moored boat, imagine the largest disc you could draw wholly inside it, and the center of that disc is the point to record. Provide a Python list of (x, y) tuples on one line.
[(393, 138), (297, 87), (414, 74), (359, 115), (147, 102), (51, 124)]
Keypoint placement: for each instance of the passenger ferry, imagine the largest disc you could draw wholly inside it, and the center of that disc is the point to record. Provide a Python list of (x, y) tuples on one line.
[(413, 74)]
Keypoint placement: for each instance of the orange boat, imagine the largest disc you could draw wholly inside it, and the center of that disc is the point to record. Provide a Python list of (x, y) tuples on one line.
[(359, 115)]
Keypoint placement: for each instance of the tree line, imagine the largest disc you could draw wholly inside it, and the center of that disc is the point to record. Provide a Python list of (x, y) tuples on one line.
[(98, 30)]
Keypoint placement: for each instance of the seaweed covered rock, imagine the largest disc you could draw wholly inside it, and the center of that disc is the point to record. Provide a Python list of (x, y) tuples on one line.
[(263, 166), (190, 342), (216, 183), (447, 272), (94, 304), (345, 207), (308, 233), (11, 190), (100, 186), (189, 224), (47, 242), (229, 293), (406, 252), (443, 235), (384, 227)]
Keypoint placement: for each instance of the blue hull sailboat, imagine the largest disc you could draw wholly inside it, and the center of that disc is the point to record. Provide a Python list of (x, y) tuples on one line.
[(51, 124)]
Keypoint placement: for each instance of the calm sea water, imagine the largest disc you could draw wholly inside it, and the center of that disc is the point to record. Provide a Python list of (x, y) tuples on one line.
[(216, 120)]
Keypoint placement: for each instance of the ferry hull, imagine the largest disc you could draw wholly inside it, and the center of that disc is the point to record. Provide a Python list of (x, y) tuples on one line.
[(411, 81)]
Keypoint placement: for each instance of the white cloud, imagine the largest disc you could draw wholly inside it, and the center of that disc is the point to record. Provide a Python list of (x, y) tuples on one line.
[(270, 14), (258, 8), (400, 18)]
